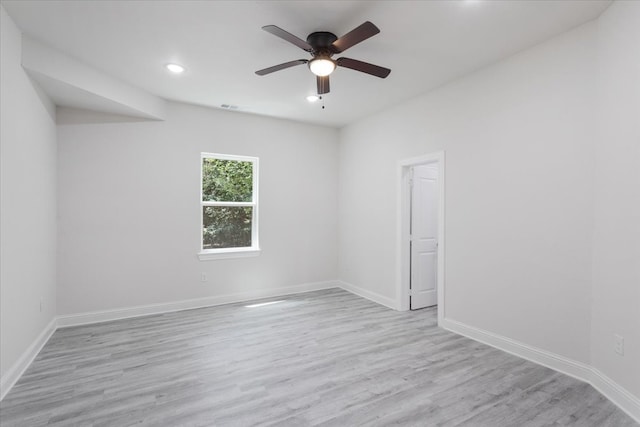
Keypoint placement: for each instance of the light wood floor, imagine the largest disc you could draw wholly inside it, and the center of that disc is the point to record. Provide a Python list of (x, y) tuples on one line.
[(320, 358)]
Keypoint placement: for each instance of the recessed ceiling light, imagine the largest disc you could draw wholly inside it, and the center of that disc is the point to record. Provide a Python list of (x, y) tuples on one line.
[(175, 68), (313, 98)]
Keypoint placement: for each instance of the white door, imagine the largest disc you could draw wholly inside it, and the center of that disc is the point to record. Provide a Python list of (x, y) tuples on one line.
[(424, 233)]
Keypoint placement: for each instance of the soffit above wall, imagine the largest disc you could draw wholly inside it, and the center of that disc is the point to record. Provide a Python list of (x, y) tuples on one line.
[(70, 83)]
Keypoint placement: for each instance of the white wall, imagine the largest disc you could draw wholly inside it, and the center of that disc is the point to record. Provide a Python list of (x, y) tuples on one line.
[(129, 207), (28, 200), (519, 139), (616, 257)]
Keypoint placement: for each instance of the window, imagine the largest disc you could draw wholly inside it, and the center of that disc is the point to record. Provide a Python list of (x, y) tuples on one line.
[(229, 206)]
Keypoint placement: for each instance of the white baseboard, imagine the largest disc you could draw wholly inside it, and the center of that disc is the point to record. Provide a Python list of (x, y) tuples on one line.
[(583, 372), (145, 310), (15, 372), (615, 393), (364, 293), (541, 357)]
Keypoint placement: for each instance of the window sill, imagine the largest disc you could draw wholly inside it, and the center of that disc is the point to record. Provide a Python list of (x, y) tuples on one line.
[(228, 253)]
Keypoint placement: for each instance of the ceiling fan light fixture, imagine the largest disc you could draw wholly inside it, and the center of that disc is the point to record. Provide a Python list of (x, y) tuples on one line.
[(322, 66)]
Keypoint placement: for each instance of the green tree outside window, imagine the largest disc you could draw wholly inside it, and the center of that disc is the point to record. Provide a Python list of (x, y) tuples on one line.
[(228, 203)]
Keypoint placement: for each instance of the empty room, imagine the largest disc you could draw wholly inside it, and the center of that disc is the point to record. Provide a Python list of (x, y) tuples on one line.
[(337, 213)]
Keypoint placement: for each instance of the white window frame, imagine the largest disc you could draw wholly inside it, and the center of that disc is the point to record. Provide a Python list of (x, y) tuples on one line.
[(241, 252)]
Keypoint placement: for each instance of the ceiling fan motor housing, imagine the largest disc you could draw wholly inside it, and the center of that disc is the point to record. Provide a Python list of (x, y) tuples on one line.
[(321, 42)]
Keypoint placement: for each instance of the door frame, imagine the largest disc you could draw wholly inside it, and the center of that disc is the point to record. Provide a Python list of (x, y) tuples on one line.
[(403, 263)]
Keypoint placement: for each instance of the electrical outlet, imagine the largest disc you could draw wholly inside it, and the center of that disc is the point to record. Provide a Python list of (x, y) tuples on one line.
[(618, 345), (203, 277)]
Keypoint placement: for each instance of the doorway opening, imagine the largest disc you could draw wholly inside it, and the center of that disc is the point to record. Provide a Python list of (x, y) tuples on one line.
[(421, 228)]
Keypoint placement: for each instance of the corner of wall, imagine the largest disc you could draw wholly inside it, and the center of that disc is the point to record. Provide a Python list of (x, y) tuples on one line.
[(29, 198), (615, 305)]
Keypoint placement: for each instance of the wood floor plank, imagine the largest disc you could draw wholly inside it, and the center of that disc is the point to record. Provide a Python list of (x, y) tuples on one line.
[(325, 358)]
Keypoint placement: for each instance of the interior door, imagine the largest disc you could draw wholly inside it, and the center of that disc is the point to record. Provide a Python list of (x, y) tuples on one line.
[(424, 232)]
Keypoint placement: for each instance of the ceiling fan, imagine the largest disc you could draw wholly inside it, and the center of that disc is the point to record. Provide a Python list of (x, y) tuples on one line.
[(322, 45)]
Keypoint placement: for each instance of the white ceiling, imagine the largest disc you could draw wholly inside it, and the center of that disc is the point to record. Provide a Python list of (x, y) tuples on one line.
[(425, 43)]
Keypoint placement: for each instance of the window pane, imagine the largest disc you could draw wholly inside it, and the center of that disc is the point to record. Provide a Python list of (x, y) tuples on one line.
[(226, 227), (227, 180)]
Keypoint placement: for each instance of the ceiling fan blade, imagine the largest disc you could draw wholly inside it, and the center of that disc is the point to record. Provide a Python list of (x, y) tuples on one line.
[(354, 37), (279, 32), (281, 67), (364, 67), (323, 85)]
